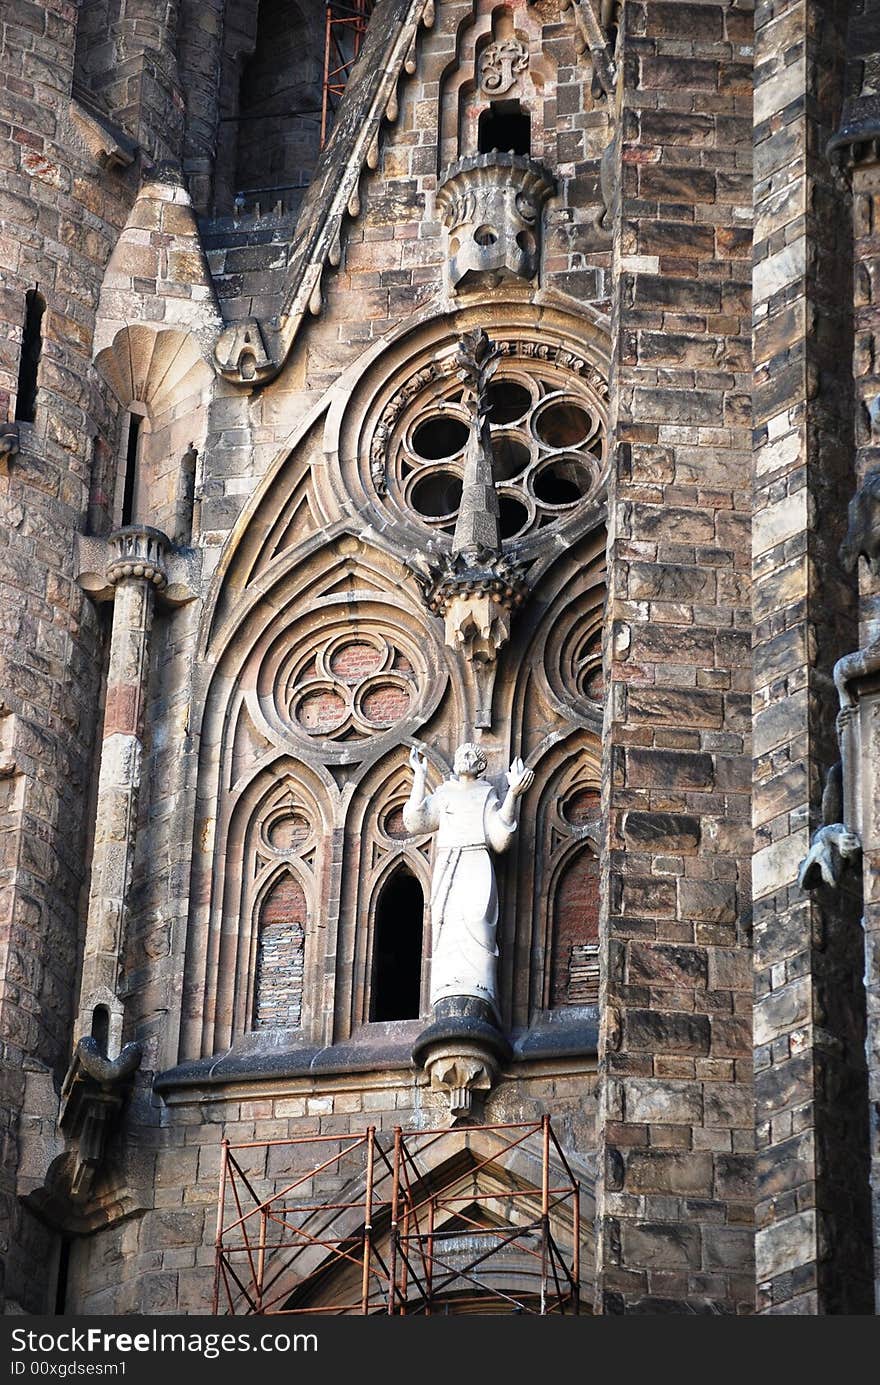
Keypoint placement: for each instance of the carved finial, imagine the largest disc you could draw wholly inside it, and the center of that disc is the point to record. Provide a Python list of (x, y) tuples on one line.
[(476, 587), (478, 529)]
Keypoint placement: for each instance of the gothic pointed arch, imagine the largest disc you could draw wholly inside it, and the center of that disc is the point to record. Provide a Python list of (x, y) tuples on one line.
[(259, 865), (376, 838)]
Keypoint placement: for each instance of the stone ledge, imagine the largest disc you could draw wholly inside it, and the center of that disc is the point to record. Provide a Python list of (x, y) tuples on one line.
[(556, 1036)]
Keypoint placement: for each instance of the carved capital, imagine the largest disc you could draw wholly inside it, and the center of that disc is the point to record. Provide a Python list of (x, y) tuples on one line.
[(139, 553)]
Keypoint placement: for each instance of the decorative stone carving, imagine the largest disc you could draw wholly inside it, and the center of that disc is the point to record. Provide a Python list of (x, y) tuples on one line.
[(139, 552), (547, 411), (491, 206), (460, 1074), (476, 588), (831, 849), (94, 1092), (469, 821), (241, 354), (463, 1046), (863, 534), (361, 676), (500, 65), (851, 801), (592, 20), (9, 446)]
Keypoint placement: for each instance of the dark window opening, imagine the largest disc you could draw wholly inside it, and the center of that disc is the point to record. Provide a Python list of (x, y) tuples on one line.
[(62, 1278), (397, 953), (101, 1027), (505, 126), (31, 350), (129, 488), (279, 105)]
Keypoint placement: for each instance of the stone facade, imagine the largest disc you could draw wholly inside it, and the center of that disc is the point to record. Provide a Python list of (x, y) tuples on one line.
[(245, 573)]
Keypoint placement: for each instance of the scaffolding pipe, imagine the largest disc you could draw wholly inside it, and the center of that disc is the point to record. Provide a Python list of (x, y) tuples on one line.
[(421, 1196)]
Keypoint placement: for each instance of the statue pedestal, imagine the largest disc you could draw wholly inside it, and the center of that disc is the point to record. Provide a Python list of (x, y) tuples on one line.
[(462, 1051)]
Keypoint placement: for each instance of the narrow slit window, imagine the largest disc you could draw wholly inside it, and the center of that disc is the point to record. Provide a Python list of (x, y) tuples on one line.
[(505, 126), (101, 1027), (129, 488), (397, 953), (31, 350)]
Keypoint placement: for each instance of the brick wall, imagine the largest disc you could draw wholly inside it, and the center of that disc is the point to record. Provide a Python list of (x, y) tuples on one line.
[(280, 946), (576, 930)]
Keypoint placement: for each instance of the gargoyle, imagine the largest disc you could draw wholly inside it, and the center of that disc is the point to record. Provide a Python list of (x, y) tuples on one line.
[(833, 845)]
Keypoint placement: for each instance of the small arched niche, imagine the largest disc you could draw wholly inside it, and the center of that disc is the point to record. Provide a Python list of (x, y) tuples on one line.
[(396, 978), (278, 984), (575, 925)]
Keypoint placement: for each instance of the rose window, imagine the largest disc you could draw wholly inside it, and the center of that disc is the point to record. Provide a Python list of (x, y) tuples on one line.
[(351, 688), (548, 437)]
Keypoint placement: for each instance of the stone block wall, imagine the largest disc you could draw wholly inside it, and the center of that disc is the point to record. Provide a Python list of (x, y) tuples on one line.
[(58, 219), (161, 1260), (675, 1133), (809, 1007)]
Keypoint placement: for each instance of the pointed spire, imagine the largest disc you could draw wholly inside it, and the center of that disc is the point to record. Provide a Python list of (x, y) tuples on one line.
[(478, 530)]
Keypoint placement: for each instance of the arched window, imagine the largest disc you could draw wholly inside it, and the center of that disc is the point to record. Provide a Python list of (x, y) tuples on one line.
[(31, 350), (576, 931), (280, 953), (279, 109), (397, 949), (101, 1027), (130, 473)]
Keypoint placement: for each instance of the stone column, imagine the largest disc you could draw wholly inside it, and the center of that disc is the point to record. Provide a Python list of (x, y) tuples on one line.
[(808, 1055), (136, 573), (675, 1184), (132, 69), (858, 675)]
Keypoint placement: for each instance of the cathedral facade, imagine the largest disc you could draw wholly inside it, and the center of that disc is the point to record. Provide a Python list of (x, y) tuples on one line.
[(440, 656)]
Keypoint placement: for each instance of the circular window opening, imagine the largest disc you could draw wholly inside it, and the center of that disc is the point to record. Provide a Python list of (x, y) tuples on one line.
[(585, 805), (486, 235), (526, 242), (354, 660), (437, 495), (513, 516), (591, 683), (385, 703), (393, 824), (508, 401), (510, 455), (563, 482), (563, 424), (440, 437), (288, 832), (321, 711)]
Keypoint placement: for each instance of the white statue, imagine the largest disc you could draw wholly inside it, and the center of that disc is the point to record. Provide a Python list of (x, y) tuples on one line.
[(465, 813)]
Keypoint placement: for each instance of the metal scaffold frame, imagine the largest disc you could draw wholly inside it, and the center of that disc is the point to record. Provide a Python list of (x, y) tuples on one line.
[(409, 1229), (345, 26)]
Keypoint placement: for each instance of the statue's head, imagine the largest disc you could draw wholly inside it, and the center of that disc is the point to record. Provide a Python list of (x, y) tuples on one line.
[(469, 759)]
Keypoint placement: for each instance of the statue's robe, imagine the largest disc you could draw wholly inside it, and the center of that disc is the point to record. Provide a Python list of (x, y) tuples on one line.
[(464, 896)]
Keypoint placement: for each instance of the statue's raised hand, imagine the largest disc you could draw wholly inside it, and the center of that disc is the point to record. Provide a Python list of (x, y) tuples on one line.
[(418, 761), (519, 778)]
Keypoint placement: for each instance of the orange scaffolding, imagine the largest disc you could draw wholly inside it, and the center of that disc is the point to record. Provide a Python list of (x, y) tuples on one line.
[(416, 1229), (345, 26)]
